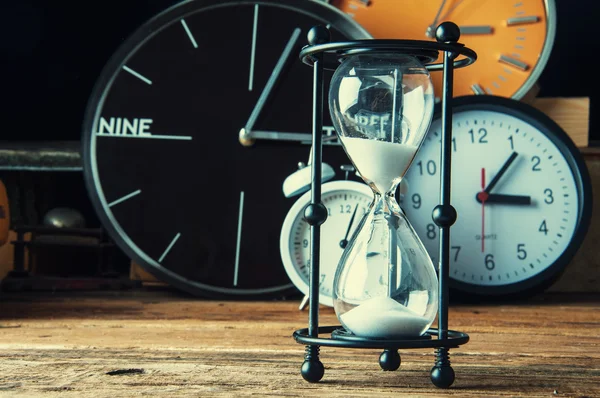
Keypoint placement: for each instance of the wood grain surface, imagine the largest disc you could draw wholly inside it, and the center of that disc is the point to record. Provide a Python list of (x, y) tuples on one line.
[(157, 343)]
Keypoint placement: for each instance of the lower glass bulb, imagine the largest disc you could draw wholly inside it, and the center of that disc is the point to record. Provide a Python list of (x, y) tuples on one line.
[(385, 285)]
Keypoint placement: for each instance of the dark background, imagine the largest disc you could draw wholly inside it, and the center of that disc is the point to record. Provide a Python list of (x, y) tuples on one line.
[(53, 51)]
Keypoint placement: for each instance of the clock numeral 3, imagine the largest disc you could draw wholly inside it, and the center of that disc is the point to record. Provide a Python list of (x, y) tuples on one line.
[(549, 198)]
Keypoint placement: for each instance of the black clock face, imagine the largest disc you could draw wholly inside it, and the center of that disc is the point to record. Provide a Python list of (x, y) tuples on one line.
[(163, 160)]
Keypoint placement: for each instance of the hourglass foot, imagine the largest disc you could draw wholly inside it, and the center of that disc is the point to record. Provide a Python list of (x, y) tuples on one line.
[(312, 369), (389, 360), (442, 374)]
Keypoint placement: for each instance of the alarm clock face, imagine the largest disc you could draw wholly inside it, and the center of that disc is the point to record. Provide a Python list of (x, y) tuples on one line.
[(520, 189), (512, 38), (163, 161), (347, 202)]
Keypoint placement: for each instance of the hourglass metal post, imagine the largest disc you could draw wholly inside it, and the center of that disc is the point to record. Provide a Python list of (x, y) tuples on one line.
[(321, 54)]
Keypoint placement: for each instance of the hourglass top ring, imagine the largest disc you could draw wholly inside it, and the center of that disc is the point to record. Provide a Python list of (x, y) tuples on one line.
[(447, 35)]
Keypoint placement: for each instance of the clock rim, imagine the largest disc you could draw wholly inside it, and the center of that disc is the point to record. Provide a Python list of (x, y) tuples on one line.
[(540, 66), (292, 216), (102, 86), (549, 128)]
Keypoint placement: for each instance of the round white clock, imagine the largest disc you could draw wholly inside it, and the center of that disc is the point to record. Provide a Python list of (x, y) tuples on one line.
[(346, 202), (521, 191)]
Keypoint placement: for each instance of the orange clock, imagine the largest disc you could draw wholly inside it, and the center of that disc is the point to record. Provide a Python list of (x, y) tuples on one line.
[(513, 38)]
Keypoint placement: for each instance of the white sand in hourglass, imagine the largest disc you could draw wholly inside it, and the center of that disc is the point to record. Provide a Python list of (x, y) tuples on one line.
[(384, 317), (379, 162)]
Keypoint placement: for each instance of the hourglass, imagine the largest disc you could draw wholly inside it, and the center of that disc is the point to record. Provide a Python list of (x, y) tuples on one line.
[(386, 289)]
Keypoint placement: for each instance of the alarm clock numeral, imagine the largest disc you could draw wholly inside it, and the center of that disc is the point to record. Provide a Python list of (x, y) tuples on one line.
[(549, 199), (521, 252), (489, 262), (416, 201), (457, 248), (430, 167), (512, 143), (481, 136), (543, 228), (536, 163)]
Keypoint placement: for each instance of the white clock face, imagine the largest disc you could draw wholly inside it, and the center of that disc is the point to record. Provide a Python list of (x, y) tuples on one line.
[(520, 226), (346, 202)]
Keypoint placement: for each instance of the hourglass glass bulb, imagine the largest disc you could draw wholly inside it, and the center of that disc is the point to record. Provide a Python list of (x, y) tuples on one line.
[(381, 106), (385, 284)]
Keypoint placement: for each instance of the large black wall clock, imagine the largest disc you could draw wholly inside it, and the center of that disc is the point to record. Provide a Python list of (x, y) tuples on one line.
[(163, 162)]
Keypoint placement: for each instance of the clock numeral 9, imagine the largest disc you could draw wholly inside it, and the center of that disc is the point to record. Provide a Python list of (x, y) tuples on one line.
[(431, 231), (536, 163), (521, 253), (489, 262), (416, 199), (482, 134), (305, 243), (430, 167)]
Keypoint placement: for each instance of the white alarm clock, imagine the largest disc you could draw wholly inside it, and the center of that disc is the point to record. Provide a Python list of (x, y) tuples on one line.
[(346, 202)]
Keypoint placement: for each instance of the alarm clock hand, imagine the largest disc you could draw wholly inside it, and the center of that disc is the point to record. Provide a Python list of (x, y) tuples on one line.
[(246, 131), (344, 242), (500, 173), (503, 199)]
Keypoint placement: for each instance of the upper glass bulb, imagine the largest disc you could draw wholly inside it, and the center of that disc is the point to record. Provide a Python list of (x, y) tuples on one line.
[(378, 100)]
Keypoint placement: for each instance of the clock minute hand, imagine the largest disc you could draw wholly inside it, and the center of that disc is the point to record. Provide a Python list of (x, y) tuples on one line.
[(344, 242), (501, 172), (246, 131)]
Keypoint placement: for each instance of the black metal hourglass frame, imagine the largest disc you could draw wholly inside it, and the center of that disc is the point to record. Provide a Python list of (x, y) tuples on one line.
[(321, 55)]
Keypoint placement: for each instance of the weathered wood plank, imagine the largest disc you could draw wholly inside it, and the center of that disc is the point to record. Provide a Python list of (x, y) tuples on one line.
[(65, 346)]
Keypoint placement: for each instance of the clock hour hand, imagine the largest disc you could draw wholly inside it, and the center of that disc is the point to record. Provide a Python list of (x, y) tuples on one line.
[(503, 199), (344, 242), (500, 173), (246, 131)]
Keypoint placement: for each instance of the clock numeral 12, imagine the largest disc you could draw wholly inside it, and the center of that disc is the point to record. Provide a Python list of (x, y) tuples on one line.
[(482, 134)]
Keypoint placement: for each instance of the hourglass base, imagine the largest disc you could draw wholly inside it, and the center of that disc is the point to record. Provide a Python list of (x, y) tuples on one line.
[(442, 374)]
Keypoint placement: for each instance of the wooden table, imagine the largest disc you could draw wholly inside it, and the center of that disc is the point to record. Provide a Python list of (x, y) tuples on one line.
[(166, 344)]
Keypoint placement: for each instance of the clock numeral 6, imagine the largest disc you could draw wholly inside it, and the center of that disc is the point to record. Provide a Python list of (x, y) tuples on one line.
[(489, 262), (521, 253)]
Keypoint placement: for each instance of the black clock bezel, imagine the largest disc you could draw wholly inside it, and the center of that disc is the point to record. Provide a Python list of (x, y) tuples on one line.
[(315, 9), (547, 126)]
